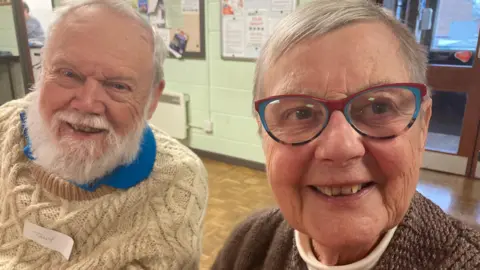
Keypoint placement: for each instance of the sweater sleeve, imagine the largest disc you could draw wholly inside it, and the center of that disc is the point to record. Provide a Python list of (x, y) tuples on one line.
[(190, 230), (178, 210)]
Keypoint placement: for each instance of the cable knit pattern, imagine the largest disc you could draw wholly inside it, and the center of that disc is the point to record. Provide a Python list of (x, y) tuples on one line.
[(426, 239), (154, 225)]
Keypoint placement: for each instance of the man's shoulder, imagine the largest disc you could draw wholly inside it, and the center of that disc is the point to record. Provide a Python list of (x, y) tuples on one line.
[(10, 113), (33, 20), (168, 146), (176, 159)]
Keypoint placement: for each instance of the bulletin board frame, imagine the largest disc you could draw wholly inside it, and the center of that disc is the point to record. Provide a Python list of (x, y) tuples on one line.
[(196, 34), (188, 54), (202, 53), (269, 15)]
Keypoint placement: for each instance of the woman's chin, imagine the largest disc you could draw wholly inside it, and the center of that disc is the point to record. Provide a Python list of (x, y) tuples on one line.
[(343, 234)]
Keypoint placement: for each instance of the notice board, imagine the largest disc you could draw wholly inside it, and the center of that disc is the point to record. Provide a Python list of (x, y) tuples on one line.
[(247, 24), (181, 23)]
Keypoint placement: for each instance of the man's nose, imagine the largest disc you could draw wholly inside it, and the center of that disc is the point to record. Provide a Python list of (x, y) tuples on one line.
[(339, 143), (88, 98)]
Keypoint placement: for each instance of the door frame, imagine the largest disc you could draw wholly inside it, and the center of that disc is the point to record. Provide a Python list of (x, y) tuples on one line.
[(463, 79), (450, 78), (22, 44)]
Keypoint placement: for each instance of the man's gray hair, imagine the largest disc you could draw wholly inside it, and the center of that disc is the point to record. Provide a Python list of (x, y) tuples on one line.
[(124, 7), (320, 17)]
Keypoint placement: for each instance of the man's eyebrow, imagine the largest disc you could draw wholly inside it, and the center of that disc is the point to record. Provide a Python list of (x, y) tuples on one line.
[(124, 78), (61, 61)]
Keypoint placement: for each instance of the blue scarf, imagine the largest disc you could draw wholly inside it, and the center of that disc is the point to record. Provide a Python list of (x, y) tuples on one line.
[(123, 177)]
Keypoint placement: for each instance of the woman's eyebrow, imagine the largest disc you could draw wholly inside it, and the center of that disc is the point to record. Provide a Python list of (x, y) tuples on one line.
[(287, 89)]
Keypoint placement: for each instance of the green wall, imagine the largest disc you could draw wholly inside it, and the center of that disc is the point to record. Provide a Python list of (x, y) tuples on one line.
[(220, 91), (8, 39)]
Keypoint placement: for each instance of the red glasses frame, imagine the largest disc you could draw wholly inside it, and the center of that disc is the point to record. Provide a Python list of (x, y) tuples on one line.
[(339, 105)]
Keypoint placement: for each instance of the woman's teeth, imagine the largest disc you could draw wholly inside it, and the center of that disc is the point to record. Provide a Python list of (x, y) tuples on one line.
[(339, 191)]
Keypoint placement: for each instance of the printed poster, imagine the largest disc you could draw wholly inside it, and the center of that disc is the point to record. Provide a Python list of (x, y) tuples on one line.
[(232, 7), (191, 6), (233, 37), (282, 5), (257, 32)]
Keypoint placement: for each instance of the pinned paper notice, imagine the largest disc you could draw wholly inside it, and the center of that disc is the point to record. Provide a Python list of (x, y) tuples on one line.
[(49, 239), (174, 14)]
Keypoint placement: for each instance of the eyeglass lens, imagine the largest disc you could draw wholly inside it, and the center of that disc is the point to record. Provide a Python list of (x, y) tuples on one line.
[(378, 113)]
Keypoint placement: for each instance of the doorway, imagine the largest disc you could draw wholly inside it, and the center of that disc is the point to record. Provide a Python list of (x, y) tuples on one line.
[(450, 30)]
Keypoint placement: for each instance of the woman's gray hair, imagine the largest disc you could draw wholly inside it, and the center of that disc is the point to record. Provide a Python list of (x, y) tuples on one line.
[(320, 17), (124, 7)]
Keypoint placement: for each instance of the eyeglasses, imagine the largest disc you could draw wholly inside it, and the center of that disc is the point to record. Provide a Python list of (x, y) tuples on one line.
[(380, 112)]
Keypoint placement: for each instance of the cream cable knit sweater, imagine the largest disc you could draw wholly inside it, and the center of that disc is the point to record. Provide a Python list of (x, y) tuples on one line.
[(154, 225)]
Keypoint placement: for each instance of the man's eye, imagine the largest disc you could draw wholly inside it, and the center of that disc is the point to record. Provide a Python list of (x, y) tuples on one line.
[(67, 73), (118, 86)]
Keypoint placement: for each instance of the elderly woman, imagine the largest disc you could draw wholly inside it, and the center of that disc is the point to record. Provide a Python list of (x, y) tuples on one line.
[(340, 93)]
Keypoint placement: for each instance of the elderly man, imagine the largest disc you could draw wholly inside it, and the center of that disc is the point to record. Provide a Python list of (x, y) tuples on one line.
[(85, 181), (341, 98)]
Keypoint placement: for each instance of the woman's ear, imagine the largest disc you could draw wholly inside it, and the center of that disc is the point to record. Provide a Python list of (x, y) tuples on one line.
[(425, 116)]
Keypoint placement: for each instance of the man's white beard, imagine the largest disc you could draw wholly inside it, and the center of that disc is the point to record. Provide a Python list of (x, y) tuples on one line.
[(74, 160)]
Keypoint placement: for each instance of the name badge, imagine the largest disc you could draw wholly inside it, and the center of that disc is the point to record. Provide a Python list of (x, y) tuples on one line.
[(49, 239)]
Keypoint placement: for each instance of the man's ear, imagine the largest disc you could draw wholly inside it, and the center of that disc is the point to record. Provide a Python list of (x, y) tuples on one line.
[(157, 93), (425, 117)]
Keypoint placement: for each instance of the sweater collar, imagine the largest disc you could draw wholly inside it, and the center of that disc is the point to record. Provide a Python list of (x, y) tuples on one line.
[(303, 244), (124, 176)]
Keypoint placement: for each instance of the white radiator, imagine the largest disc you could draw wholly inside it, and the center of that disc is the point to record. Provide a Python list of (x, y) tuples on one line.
[(171, 114)]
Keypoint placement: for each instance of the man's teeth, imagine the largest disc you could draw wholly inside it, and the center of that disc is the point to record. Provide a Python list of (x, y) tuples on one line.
[(336, 191), (85, 129)]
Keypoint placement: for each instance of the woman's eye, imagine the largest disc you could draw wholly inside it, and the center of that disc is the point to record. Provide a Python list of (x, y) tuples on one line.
[(298, 114), (303, 114), (380, 108)]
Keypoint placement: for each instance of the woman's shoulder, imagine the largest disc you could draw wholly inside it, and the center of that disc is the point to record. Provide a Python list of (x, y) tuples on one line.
[(263, 222), (433, 239), (262, 241), (262, 219)]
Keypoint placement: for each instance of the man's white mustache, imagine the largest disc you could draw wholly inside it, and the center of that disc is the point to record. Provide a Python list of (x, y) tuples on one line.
[(75, 118)]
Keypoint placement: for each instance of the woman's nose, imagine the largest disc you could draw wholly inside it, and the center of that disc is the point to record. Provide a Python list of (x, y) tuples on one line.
[(339, 143)]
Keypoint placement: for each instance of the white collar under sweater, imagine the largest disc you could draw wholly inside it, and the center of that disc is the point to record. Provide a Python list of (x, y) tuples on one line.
[(303, 243), (156, 224)]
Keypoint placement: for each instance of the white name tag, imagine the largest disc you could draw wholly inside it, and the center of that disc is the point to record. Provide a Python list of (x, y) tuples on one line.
[(49, 238)]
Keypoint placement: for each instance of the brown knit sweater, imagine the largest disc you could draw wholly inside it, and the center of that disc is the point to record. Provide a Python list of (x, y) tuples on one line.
[(427, 238)]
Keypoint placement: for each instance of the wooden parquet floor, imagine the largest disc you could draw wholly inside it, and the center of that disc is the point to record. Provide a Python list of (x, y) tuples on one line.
[(236, 192)]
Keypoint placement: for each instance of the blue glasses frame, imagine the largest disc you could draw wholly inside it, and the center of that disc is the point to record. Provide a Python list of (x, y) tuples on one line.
[(419, 90)]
